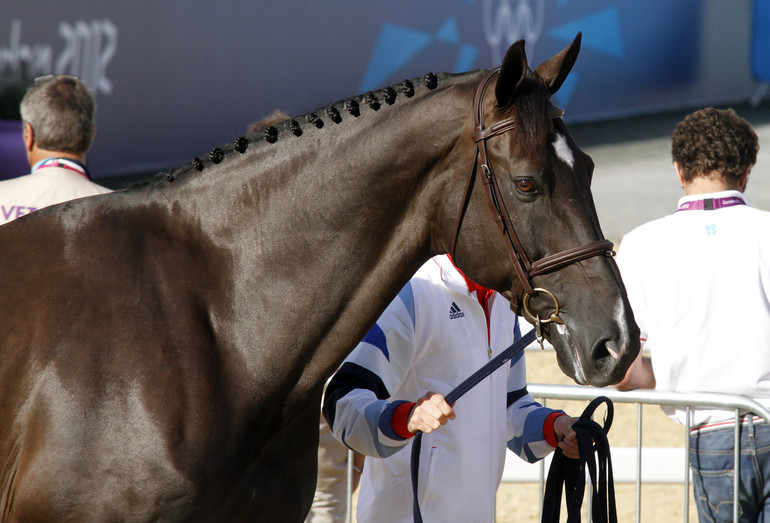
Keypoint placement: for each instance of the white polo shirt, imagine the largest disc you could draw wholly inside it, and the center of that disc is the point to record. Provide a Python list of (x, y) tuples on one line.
[(699, 285), (48, 184)]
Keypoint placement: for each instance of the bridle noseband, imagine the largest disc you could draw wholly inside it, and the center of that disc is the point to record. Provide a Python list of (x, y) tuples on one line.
[(525, 269)]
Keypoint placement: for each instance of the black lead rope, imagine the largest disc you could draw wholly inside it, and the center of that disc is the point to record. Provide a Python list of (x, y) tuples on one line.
[(571, 473), (454, 395)]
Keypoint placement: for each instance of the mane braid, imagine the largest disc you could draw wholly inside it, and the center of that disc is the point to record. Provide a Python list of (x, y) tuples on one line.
[(431, 81), (240, 144), (334, 114), (371, 101), (216, 155), (314, 119), (352, 107), (407, 88), (390, 96), (271, 134)]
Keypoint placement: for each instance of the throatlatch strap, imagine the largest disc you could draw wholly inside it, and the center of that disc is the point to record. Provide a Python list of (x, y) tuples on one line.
[(456, 393), (571, 473)]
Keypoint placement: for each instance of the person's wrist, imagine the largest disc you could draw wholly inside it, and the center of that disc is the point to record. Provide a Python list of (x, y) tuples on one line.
[(549, 430), (400, 420)]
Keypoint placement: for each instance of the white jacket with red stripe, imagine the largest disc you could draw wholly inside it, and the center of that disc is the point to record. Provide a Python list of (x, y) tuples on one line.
[(430, 338)]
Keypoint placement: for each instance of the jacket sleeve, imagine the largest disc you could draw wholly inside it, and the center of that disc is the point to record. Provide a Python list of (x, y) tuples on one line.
[(526, 417), (357, 402)]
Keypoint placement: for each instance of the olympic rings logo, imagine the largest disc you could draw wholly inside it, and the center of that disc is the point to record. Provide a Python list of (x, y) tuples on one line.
[(505, 23)]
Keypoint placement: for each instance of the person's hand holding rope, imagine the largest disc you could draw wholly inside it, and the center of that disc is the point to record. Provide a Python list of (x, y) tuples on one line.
[(566, 436), (429, 413)]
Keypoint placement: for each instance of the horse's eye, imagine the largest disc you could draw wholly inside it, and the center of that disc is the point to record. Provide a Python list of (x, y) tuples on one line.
[(526, 186)]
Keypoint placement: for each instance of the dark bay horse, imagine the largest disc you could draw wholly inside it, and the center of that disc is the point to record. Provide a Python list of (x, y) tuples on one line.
[(163, 348)]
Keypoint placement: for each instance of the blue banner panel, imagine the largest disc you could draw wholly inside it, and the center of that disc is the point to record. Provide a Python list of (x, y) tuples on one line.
[(760, 58), (175, 78)]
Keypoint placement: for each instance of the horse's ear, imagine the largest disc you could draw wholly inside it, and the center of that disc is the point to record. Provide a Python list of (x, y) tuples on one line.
[(512, 72), (554, 70)]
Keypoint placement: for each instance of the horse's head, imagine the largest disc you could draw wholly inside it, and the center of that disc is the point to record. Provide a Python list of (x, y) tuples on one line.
[(532, 219)]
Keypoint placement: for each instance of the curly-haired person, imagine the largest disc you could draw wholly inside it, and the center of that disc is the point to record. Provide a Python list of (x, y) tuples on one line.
[(699, 284)]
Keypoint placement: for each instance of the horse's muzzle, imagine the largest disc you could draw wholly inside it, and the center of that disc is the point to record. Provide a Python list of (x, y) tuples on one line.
[(601, 362)]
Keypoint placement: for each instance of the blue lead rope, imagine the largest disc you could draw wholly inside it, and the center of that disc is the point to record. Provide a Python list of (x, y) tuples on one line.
[(456, 394)]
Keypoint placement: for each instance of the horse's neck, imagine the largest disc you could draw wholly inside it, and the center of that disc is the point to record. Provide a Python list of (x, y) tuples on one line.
[(367, 185), (333, 222), (389, 213)]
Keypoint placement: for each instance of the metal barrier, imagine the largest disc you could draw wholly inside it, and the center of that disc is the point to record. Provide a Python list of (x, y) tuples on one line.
[(655, 397), (640, 397)]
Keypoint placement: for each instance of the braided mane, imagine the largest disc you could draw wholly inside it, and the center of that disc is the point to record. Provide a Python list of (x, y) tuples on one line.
[(333, 114)]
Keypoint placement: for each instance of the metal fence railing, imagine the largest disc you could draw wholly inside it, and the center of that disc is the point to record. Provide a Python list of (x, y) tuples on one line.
[(544, 392), (740, 404)]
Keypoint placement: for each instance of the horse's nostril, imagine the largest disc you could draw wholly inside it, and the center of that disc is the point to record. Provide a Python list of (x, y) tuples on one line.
[(605, 355), (600, 352), (610, 348)]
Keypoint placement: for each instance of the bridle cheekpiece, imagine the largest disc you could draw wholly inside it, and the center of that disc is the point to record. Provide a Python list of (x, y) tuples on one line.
[(525, 269)]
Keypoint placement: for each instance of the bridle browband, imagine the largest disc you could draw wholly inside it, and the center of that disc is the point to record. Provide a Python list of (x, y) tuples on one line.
[(525, 269)]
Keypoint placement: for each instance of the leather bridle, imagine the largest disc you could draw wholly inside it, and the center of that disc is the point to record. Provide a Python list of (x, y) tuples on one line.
[(525, 269)]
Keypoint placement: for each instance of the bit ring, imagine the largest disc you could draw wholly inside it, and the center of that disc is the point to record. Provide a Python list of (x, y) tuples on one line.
[(554, 318)]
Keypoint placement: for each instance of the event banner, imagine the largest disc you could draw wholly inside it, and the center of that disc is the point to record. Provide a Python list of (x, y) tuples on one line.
[(175, 78)]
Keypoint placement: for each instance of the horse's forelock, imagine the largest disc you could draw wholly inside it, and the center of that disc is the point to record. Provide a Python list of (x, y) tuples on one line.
[(530, 109)]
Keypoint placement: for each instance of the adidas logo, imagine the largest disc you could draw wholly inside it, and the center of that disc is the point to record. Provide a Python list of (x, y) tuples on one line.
[(455, 312)]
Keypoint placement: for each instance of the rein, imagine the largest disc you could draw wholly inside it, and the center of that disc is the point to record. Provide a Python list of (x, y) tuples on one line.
[(525, 268)]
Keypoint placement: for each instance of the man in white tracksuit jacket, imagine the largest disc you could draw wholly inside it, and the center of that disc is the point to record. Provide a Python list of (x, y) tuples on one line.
[(440, 329)]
